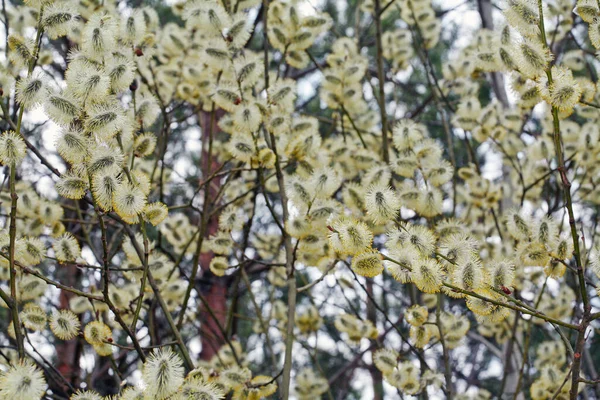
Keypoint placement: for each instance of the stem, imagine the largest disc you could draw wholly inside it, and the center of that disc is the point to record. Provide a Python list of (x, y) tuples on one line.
[(526, 344), (140, 299), (358, 132), (11, 259), (524, 308), (287, 240), (6, 31), (106, 281), (129, 331), (182, 348), (446, 355), (291, 279), (509, 353), (533, 313), (204, 220), (13, 206), (261, 320), (161, 302), (566, 184), (381, 78)]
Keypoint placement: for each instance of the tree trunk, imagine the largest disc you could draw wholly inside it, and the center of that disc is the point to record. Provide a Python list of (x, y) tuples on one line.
[(213, 288), (68, 352)]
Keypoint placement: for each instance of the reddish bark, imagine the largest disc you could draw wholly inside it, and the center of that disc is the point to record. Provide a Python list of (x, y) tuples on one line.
[(68, 352), (215, 293), (216, 298)]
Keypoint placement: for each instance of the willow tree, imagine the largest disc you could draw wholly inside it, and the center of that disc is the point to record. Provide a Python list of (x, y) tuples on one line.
[(279, 199)]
